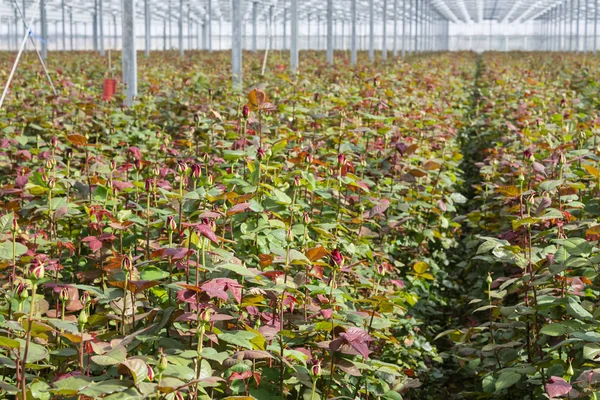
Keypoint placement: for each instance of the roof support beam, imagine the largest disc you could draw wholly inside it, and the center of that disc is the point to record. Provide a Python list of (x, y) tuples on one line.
[(512, 10), (479, 4), (464, 11)]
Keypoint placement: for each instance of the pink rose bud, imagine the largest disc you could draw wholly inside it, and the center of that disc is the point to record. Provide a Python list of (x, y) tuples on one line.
[(37, 272), (171, 224)]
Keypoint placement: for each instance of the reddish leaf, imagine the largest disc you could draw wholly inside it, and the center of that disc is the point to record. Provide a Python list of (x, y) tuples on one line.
[(557, 387)]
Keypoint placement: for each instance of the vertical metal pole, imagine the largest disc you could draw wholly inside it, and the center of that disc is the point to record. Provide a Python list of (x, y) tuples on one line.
[(236, 43), (129, 54), (294, 40), (319, 32), (210, 48), (330, 32), (165, 33), (71, 28), (404, 28), (384, 41), (24, 8), (205, 33), (114, 30), (577, 46), (95, 27), (571, 30), (596, 28), (308, 45), (180, 27), (271, 28), (64, 29), (395, 29), (284, 22), (416, 26), (44, 26), (254, 26), (353, 54), (585, 37), (147, 32), (371, 30), (101, 25)]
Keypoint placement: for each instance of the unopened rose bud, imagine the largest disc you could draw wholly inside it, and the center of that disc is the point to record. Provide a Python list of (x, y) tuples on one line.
[(54, 141), (380, 269), (296, 181), (178, 396), (113, 164), (245, 111), (316, 369), (196, 171), (49, 164), (127, 263), (138, 165), (156, 171), (37, 272), (83, 318), (149, 185), (15, 225), (260, 154), (306, 218), (21, 291), (51, 183), (489, 279), (181, 167), (150, 373), (69, 154), (290, 235), (341, 159), (210, 179), (171, 225), (336, 258), (309, 158), (85, 298), (162, 362), (63, 296), (204, 315)]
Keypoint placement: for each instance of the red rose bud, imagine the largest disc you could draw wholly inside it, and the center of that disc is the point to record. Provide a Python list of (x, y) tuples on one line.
[(64, 295), (196, 171), (309, 158), (210, 179), (245, 111), (37, 272), (181, 167), (316, 97), (49, 164), (51, 183), (150, 373), (156, 170), (21, 291), (306, 218), (336, 258), (528, 155), (341, 159), (149, 184), (204, 315), (54, 141), (69, 154), (85, 298), (316, 368), (296, 181), (260, 154), (15, 225), (127, 263), (380, 269), (138, 165), (113, 164), (171, 224)]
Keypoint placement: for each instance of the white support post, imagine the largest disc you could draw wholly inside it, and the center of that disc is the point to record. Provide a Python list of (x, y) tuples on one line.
[(254, 26), (404, 28), (384, 44), (210, 47), (294, 64), (44, 26), (64, 29), (71, 28), (596, 27), (330, 32), (236, 43), (101, 25), (147, 27), (180, 28), (128, 53), (353, 52), (371, 30), (395, 28)]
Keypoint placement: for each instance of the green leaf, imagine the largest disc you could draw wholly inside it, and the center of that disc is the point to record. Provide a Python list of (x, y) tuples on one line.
[(113, 357), (554, 330), (6, 250), (237, 268), (8, 343), (590, 351), (153, 273), (577, 246), (106, 387), (180, 372), (134, 367), (506, 380), (211, 354), (6, 223), (239, 338), (280, 197), (576, 310)]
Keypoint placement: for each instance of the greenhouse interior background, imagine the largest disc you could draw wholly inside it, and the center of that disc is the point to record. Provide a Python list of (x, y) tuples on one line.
[(479, 25)]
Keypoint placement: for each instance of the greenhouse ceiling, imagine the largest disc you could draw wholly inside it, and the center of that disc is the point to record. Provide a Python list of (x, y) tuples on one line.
[(456, 11)]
